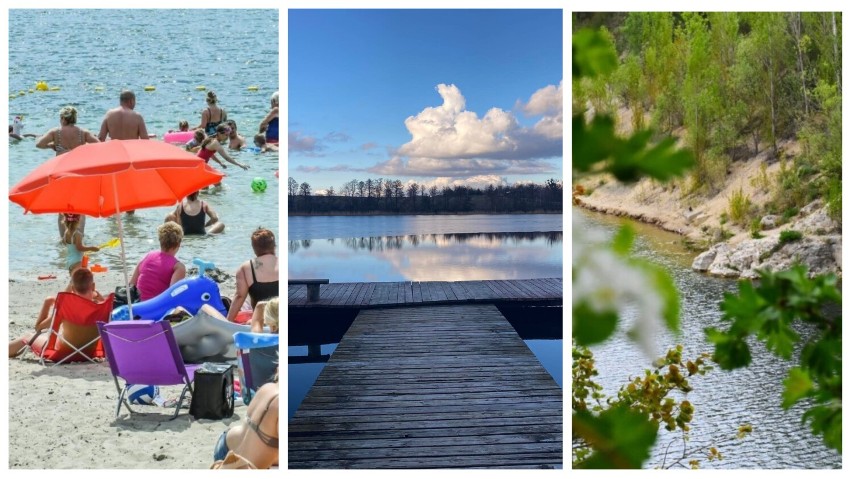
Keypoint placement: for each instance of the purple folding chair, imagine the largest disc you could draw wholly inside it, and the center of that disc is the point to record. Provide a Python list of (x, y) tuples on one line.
[(145, 352)]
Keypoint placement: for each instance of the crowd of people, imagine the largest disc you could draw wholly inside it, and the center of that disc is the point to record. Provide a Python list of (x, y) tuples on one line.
[(256, 440)]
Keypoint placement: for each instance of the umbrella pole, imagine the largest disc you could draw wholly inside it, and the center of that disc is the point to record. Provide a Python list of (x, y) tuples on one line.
[(123, 258)]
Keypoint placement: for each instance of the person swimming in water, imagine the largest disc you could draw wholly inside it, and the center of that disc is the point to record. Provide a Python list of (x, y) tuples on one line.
[(235, 141), (192, 215), (260, 142), (269, 125), (212, 116)]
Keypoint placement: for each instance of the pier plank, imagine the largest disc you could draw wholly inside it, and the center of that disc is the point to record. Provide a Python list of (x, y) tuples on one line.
[(430, 387), (409, 293)]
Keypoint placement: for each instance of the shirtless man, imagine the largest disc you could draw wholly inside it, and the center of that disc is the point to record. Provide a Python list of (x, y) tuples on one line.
[(122, 123)]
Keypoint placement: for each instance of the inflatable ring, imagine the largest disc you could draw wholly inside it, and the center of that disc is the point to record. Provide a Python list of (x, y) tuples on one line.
[(180, 137), (190, 294)]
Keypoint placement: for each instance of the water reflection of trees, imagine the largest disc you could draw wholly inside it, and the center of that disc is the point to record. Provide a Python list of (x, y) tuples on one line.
[(383, 243)]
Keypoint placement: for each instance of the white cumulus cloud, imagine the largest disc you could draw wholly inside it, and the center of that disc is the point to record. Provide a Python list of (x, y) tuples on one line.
[(449, 131)]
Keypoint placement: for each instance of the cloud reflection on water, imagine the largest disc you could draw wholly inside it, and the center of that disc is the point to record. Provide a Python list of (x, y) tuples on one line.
[(429, 257)]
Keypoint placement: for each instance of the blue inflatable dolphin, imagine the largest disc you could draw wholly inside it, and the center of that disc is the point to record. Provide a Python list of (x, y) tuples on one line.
[(190, 293)]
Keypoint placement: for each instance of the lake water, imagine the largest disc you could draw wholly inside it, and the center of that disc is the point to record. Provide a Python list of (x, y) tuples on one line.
[(425, 248), (418, 248), (102, 52), (723, 400)]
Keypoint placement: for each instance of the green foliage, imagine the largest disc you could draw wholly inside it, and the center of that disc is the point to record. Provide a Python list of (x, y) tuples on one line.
[(739, 205), (585, 393), (711, 171), (755, 228), (592, 54), (627, 159), (644, 404), (591, 326), (620, 437), (595, 143), (789, 236), (762, 179), (790, 213), (769, 311)]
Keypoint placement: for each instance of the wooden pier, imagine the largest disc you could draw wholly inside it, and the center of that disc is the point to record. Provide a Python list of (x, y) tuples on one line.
[(411, 293), (449, 386)]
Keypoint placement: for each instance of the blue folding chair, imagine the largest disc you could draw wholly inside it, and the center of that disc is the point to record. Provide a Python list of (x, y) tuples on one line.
[(257, 360)]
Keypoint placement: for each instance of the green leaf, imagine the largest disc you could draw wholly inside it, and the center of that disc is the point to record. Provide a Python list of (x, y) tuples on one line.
[(592, 54), (827, 421), (590, 326), (591, 143), (621, 438), (779, 337), (623, 241), (665, 285), (731, 352), (798, 385), (743, 309), (664, 161)]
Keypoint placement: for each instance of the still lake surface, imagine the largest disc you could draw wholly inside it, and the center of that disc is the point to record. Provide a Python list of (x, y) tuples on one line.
[(723, 400), (176, 51), (421, 248)]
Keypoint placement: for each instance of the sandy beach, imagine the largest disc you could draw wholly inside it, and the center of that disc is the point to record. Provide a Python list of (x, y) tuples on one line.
[(64, 416)]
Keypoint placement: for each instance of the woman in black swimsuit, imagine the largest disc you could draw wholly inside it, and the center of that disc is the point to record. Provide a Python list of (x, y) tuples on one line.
[(212, 116), (192, 215), (257, 279)]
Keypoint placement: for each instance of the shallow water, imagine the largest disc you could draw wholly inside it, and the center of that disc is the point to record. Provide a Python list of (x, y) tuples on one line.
[(723, 400), (102, 52)]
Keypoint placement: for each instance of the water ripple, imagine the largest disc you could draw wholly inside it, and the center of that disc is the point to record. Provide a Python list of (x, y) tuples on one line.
[(723, 400)]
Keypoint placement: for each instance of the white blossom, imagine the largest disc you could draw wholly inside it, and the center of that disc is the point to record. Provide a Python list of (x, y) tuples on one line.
[(607, 282)]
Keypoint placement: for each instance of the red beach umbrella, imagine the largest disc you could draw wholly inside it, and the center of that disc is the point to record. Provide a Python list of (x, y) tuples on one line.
[(103, 179)]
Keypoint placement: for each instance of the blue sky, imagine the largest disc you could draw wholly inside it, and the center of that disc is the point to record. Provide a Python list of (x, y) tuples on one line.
[(434, 96)]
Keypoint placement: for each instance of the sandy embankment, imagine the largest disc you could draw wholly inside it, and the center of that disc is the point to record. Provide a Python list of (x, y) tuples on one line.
[(730, 250), (665, 205), (64, 416)]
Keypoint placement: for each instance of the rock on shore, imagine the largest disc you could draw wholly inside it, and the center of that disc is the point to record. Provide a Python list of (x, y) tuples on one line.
[(739, 256)]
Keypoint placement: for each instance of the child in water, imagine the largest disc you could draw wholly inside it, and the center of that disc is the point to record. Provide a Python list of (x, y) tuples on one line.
[(183, 125), (16, 128), (194, 144), (260, 142), (73, 240)]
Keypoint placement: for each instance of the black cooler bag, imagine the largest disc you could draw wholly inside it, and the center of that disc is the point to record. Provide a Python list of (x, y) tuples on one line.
[(213, 392)]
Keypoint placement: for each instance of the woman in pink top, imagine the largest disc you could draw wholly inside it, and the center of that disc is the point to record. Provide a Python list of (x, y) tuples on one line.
[(160, 269)]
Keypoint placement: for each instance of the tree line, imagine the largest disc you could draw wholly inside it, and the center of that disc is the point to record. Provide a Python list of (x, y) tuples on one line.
[(737, 83), (393, 196)]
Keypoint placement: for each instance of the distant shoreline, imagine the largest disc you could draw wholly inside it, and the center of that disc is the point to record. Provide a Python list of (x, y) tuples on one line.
[(385, 213)]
